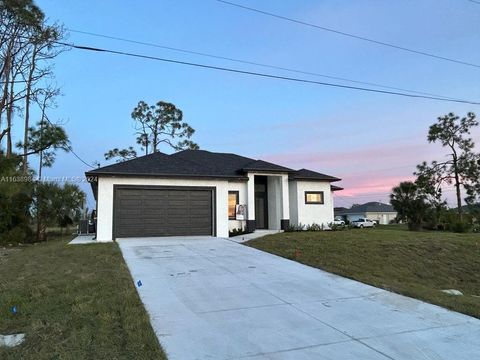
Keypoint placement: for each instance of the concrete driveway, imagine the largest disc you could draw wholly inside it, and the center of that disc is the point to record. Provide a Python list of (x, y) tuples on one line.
[(211, 298)]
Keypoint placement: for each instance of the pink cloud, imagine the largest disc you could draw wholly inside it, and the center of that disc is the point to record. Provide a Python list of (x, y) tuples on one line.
[(383, 155), (367, 174), (366, 185)]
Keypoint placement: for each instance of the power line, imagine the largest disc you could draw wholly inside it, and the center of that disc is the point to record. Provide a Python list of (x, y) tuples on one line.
[(250, 62), (70, 148), (358, 37), (474, 1), (79, 158), (264, 75)]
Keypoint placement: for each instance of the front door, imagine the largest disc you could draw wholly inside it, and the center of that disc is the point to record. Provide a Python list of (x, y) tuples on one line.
[(261, 204)]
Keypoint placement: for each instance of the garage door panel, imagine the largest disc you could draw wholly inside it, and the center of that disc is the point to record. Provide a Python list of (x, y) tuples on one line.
[(154, 217), (197, 209), (198, 220), (129, 210), (153, 210), (175, 213), (197, 202), (155, 201), (177, 204), (199, 224), (177, 194), (199, 196), (163, 212), (130, 203)]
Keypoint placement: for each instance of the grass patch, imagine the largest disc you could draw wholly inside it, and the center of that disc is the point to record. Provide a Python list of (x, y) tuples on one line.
[(74, 302), (416, 264)]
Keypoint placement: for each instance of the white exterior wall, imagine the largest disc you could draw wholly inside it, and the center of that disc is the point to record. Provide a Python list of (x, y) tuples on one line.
[(251, 196), (274, 201), (105, 200), (293, 202), (241, 187), (285, 185), (308, 214)]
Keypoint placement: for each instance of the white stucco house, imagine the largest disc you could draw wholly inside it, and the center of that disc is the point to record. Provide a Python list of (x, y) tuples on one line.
[(197, 192), (382, 213)]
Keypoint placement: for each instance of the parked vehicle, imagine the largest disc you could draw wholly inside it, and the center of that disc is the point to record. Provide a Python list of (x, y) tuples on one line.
[(364, 223), (339, 222)]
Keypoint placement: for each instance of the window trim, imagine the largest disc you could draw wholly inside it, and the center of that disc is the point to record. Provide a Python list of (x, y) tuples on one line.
[(314, 202), (237, 195)]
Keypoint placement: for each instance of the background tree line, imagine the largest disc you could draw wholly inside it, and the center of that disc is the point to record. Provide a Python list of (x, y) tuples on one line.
[(28, 46), (421, 203)]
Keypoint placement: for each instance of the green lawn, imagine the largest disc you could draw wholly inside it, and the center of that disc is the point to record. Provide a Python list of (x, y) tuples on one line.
[(416, 264), (74, 302)]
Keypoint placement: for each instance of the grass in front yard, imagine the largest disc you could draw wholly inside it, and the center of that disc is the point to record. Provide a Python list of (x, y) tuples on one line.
[(416, 264), (74, 302)]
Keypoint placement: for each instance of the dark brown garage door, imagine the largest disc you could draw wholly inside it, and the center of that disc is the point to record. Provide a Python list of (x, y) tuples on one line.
[(152, 211)]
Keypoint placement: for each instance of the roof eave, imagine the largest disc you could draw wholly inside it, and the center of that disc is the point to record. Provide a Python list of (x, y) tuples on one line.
[(276, 171), (313, 179), (179, 176)]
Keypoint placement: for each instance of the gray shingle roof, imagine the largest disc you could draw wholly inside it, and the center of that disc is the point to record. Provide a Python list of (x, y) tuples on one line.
[(367, 207), (260, 165), (305, 174), (201, 163)]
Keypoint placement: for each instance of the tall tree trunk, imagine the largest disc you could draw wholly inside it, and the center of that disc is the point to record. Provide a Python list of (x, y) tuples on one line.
[(457, 188), (27, 110), (3, 100), (155, 137), (40, 164), (9, 118), (37, 235), (6, 82)]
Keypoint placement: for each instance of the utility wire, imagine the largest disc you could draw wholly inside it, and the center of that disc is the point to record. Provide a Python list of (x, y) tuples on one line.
[(358, 37), (70, 148), (79, 158), (264, 75), (250, 62)]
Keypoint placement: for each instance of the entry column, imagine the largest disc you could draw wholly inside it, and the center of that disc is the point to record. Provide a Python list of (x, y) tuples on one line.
[(285, 221), (251, 203)]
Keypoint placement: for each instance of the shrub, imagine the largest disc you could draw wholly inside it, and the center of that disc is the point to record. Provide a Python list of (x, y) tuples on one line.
[(15, 202), (236, 232), (293, 228), (314, 227), (19, 234), (336, 227), (461, 227)]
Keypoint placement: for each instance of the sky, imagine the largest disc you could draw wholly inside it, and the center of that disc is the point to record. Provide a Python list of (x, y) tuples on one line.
[(371, 141)]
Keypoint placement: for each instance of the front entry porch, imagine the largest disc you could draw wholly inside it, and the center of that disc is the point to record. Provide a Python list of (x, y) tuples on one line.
[(268, 202), (261, 202)]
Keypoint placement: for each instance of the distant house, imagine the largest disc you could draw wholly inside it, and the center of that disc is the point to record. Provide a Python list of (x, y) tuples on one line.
[(382, 213)]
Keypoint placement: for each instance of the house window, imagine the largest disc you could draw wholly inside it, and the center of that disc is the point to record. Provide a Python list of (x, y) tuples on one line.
[(232, 202), (313, 197)]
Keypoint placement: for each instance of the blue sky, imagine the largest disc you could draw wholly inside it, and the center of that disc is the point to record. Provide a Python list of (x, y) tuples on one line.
[(372, 141)]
